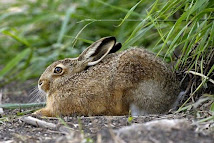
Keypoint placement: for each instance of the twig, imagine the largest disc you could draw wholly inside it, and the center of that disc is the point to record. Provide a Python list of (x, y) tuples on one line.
[(14, 106), (43, 124), (39, 123), (192, 94), (199, 74), (99, 138), (1, 109)]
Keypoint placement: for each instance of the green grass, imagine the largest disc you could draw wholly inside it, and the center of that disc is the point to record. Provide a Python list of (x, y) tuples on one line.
[(21, 106), (35, 33)]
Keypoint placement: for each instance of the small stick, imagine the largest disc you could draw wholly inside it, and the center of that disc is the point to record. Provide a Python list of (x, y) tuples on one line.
[(99, 138), (199, 74), (39, 123), (1, 109)]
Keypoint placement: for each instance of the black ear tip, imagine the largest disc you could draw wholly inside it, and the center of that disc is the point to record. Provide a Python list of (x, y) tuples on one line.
[(110, 38), (118, 45)]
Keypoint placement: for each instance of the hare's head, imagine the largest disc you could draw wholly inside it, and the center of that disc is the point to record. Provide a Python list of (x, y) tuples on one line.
[(58, 72)]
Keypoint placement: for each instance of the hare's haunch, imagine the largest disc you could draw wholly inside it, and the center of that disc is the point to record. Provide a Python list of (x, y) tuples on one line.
[(102, 81)]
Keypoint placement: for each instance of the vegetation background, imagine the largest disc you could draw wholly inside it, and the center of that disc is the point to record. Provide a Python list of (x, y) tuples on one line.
[(34, 33)]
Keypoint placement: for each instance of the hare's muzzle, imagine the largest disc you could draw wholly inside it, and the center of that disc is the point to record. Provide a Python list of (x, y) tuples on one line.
[(44, 85), (40, 84)]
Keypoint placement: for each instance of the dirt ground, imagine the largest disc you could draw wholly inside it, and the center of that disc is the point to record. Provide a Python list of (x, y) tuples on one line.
[(96, 128)]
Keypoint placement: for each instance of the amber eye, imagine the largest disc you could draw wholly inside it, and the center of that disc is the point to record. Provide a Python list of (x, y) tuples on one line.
[(57, 70)]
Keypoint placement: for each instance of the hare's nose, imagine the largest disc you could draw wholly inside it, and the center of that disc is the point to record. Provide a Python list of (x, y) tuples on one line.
[(40, 82)]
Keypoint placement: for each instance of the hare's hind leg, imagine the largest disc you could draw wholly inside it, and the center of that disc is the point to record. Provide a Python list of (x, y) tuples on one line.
[(43, 112)]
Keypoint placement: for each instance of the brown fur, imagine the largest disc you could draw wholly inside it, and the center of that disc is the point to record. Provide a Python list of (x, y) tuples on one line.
[(110, 87)]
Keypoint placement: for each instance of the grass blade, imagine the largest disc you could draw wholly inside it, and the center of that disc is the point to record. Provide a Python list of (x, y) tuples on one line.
[(129, 12), (21, 40), (29, 105), (65, 23), (12, 63)]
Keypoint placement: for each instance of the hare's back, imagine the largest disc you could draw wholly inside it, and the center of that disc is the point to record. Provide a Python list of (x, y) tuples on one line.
[(148, 83), (139, 64)]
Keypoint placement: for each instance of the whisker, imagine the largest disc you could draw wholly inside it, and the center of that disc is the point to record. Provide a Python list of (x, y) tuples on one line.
[(32, 90), (34, 95), (39, 96)]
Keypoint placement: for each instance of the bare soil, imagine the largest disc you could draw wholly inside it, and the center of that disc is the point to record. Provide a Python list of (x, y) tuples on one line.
[(92, 129)]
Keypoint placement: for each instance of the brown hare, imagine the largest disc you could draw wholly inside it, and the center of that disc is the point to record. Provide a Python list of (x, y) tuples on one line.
[(102, 82)]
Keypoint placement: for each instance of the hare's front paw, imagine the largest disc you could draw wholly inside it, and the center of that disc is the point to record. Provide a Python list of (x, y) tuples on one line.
[(43, 112)]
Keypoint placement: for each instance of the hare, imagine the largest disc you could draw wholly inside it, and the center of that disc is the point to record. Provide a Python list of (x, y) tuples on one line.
[(102, 81)]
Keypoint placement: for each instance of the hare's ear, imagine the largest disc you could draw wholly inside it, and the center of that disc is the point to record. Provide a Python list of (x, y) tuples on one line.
[(97, 51), (116, 47)]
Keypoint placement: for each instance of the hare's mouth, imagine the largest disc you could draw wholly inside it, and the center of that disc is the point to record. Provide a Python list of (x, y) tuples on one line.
[(42, 91), (40, 88), (43, 85)]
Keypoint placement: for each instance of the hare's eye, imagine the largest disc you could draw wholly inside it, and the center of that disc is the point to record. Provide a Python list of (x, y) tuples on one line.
[(57, 70)]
